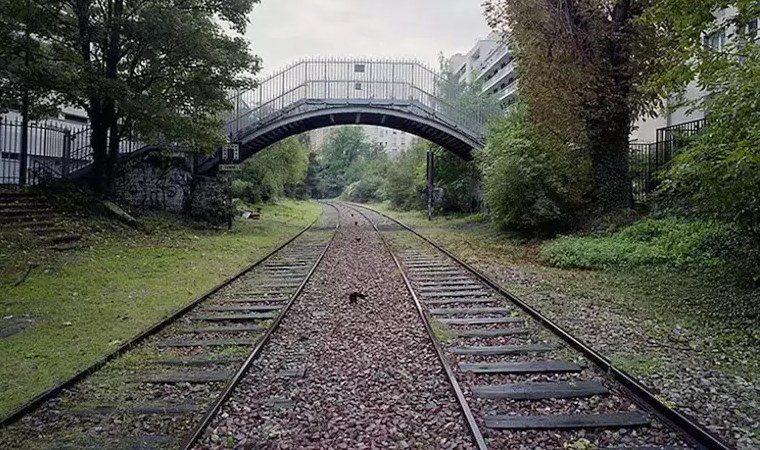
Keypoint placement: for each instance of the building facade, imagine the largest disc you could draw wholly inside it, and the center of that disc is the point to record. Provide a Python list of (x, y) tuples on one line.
[(490, 63)]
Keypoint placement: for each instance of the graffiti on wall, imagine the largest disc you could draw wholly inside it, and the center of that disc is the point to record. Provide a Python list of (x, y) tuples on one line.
[(154, 182)]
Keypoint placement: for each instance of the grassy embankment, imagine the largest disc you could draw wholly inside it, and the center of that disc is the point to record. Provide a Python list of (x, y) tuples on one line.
[(675, 276), (84, 303)]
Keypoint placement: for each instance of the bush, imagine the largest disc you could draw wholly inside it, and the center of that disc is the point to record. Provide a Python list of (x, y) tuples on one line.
[(520, 186), (673, 242), (365, 190), (273, 172), (405, 187)]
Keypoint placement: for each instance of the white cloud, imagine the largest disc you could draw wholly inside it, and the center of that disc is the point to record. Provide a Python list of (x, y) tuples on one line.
[(282, 31)]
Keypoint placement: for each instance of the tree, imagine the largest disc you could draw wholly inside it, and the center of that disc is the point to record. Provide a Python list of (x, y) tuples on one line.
[(276, 171), (161, 68), (582, 63), (24, 58), (521, 186), (342, 157), (716, 49), (406, 179)]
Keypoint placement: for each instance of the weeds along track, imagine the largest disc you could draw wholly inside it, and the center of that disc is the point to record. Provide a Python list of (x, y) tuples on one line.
[(522, 381), (161, 389)]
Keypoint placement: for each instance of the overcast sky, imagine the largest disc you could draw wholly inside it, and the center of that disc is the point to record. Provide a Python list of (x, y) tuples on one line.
[(282, 31)]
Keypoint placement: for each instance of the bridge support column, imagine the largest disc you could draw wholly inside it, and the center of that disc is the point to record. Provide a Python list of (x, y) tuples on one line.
[(430, 184)]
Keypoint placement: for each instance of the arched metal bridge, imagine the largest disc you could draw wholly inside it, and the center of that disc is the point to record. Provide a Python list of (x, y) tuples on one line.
[(316, 93)]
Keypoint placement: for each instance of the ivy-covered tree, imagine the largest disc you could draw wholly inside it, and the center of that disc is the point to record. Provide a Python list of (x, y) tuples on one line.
[(580, 65), (161, 68)]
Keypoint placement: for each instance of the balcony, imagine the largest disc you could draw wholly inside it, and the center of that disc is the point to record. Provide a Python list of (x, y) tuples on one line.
[(492, 59), (508, 92), (500, 75)]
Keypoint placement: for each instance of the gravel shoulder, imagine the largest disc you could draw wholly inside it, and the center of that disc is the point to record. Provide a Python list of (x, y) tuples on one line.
[(338, 375), (697, 368)]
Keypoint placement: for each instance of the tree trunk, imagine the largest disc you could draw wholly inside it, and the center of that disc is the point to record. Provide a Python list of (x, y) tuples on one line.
[(609, 130), (608, 120)]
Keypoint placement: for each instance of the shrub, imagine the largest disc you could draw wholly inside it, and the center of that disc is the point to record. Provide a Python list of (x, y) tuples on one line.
[(405, 187), (673, 242), (520, 186)]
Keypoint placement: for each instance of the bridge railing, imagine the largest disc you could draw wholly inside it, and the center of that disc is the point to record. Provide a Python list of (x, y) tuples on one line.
[(348, 80)]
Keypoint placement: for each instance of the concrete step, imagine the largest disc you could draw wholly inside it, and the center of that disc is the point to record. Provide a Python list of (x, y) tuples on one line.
[(34, 211), (24, 219)]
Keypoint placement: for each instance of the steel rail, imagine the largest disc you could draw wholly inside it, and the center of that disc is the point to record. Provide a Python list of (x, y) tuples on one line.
[(37, 401), (694, 432), (469, 416), (197, 431)]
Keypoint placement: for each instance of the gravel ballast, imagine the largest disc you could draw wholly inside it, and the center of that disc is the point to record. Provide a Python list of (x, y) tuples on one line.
[(337, 375)]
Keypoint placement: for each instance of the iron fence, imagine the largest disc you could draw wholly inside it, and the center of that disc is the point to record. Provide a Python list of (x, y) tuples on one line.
[(648, 160), (54, 150)]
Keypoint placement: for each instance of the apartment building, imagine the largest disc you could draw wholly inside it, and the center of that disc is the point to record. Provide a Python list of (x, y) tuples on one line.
[(491, 63)]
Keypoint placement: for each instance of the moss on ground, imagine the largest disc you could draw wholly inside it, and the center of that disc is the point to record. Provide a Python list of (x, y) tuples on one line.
[(87, 302)]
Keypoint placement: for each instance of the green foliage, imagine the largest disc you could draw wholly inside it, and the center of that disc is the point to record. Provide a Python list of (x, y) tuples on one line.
[(406, 179), (672, 242), (458, 179), (348, 158), (520, 186), (275, 171), (720, 171), (581, 64)]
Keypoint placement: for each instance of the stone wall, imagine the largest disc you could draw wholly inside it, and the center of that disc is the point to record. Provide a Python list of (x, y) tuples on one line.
[(161, 181), (155, 181), (211, 200)]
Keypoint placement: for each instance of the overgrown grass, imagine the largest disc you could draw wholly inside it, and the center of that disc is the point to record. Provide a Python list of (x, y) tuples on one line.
[(88, 302), (673, 242)]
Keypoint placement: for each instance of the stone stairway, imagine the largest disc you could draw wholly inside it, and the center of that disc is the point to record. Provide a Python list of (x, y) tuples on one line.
[(21, 211)]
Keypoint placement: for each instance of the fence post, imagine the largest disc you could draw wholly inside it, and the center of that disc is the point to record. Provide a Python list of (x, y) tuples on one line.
[(67, 140), (430, 184)]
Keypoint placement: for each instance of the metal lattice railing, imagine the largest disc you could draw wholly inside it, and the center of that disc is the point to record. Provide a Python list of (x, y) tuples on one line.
[(357, 81), (648, 160)]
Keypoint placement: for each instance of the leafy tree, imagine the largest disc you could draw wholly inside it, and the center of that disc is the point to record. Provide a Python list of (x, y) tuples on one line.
[(720, 171), (458, 179), (581, 63), (520, 184), (159, 67), (406, 179), (272, 173), (24, 59), (345, 158)]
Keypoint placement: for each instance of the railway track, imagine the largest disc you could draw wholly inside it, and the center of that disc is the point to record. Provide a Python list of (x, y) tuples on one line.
[(522, 381), (161, 389)]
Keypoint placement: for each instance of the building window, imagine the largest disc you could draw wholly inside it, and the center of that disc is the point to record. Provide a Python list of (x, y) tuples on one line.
[(360, 68), (358, 86), (717, 41), (753, 25)]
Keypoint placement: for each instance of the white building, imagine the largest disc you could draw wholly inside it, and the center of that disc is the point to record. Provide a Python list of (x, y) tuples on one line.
[(645, 129), (492, 63)]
